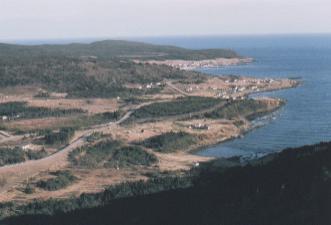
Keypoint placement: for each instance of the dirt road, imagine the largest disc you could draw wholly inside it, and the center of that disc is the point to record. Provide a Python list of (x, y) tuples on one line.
[(13, 175)]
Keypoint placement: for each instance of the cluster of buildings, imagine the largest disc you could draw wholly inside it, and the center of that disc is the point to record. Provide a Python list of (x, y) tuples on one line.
[(199, 126), (150, 85)]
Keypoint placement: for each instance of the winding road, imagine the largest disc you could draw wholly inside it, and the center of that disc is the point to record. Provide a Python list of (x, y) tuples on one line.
[(12, 175), (15, 174)]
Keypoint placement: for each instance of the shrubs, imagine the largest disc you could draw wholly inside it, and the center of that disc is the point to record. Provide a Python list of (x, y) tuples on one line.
[(18, 155), (16, 110), (94, 137), (131, 155), (3, 181), (246, 108), (170, 142), (94, 156), (107, 116), (179, 106), (122, 190), (110, 153), (61, 137), (11, 156), (34, 155), (29, 189), (61, 180)]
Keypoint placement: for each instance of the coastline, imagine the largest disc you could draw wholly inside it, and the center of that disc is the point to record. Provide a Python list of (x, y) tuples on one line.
[(219, 131), (250, 127), (200, 64)]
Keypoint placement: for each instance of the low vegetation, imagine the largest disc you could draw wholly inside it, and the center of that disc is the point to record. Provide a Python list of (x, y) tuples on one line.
[(170, 142), (20, 110), (95, 136), (35, 155), (248, 108), (180, 106), (63, 136), (75, 122), (60, 180), (131, 155), (110, 153), (18, 155), (11, 156), (53, 206), (293, 187)]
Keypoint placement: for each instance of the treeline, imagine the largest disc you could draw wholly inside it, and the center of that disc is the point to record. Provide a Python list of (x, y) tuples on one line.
[(21, 110), (291, 187)]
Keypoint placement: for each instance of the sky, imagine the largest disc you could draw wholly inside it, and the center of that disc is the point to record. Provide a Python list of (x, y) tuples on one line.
[(59, 19)]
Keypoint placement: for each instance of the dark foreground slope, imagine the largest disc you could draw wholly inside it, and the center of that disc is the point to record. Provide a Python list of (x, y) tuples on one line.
[(292, 188)]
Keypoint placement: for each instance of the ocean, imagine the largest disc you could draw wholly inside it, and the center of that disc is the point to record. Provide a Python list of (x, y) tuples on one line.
[(306, 118)]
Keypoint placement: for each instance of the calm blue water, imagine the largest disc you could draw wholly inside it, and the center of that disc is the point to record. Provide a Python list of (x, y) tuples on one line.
[(306, 119)]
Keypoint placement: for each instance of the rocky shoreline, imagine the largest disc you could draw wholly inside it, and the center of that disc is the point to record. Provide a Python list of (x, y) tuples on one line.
[(195, 64)]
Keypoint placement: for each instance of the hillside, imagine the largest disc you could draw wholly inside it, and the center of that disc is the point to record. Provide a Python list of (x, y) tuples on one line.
[(292, 187), (85, 78), (110, 49), (100, 69)]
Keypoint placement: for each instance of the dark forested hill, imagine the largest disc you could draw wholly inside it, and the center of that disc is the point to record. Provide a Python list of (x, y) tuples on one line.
[(114, 49), (292, 187)]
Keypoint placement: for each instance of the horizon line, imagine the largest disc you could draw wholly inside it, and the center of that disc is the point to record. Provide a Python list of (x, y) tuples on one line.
[(130, 38)]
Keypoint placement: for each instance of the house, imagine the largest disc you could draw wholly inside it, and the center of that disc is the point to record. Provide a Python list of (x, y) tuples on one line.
[(27, 147), (200, 126)]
